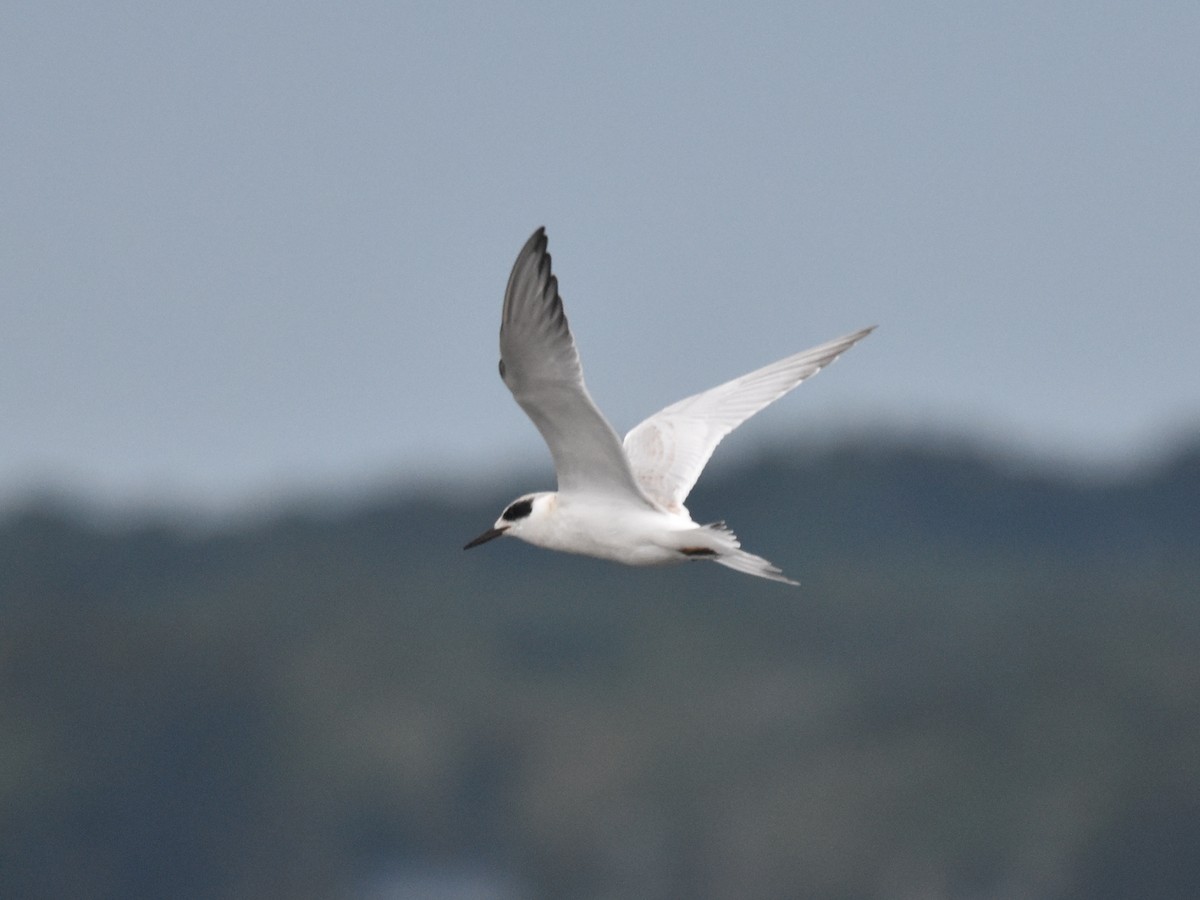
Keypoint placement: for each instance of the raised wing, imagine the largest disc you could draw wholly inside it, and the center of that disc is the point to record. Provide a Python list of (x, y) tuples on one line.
[(540, 365), (669, 450)]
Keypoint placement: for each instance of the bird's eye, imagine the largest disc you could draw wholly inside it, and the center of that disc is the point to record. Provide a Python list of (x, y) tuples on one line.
[(518, 510)]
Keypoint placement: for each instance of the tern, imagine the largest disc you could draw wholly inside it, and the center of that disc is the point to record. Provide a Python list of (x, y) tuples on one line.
[(617, 500)]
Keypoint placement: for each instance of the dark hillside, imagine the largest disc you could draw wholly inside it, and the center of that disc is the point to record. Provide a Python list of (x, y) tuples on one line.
[(987, 685)]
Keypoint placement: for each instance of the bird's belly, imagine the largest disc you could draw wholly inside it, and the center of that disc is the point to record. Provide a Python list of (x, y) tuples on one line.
[(640, 555), (631, 545)]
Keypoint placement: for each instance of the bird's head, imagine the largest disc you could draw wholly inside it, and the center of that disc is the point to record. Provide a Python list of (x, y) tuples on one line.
[(522, 515)]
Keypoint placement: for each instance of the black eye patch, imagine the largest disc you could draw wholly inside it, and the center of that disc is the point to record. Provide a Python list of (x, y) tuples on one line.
[(518, 510)]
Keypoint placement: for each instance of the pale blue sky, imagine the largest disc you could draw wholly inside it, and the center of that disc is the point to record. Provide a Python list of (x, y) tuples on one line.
[(250, 248)]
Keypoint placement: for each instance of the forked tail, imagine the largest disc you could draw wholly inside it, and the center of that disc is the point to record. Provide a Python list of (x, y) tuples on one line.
[(729, 553)]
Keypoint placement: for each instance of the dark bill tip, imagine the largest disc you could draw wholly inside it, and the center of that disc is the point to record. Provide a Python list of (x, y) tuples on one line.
[(485, 537)]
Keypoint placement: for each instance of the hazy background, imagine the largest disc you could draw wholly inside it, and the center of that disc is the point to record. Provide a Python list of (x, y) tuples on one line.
[(252, 248), (251, 266)]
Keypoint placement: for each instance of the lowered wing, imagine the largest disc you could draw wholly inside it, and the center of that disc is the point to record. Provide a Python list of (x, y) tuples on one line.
[(669, 450)]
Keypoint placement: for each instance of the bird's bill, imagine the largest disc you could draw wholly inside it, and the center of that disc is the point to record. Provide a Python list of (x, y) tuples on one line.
[(485, 537)]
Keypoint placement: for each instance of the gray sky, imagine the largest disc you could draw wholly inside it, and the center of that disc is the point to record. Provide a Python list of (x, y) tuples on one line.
[(249, 248)]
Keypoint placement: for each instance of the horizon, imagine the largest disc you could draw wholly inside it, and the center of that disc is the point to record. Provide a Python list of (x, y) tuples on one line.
[(458, 484)]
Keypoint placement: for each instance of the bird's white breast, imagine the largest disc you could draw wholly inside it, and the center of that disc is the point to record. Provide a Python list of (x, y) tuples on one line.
[(597, 527)]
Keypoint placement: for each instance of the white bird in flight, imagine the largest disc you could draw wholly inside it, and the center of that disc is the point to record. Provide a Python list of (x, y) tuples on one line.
[(622, 501)]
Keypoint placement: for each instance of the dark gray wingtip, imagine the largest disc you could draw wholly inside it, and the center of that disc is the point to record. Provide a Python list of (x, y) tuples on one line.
[(536, 243)]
